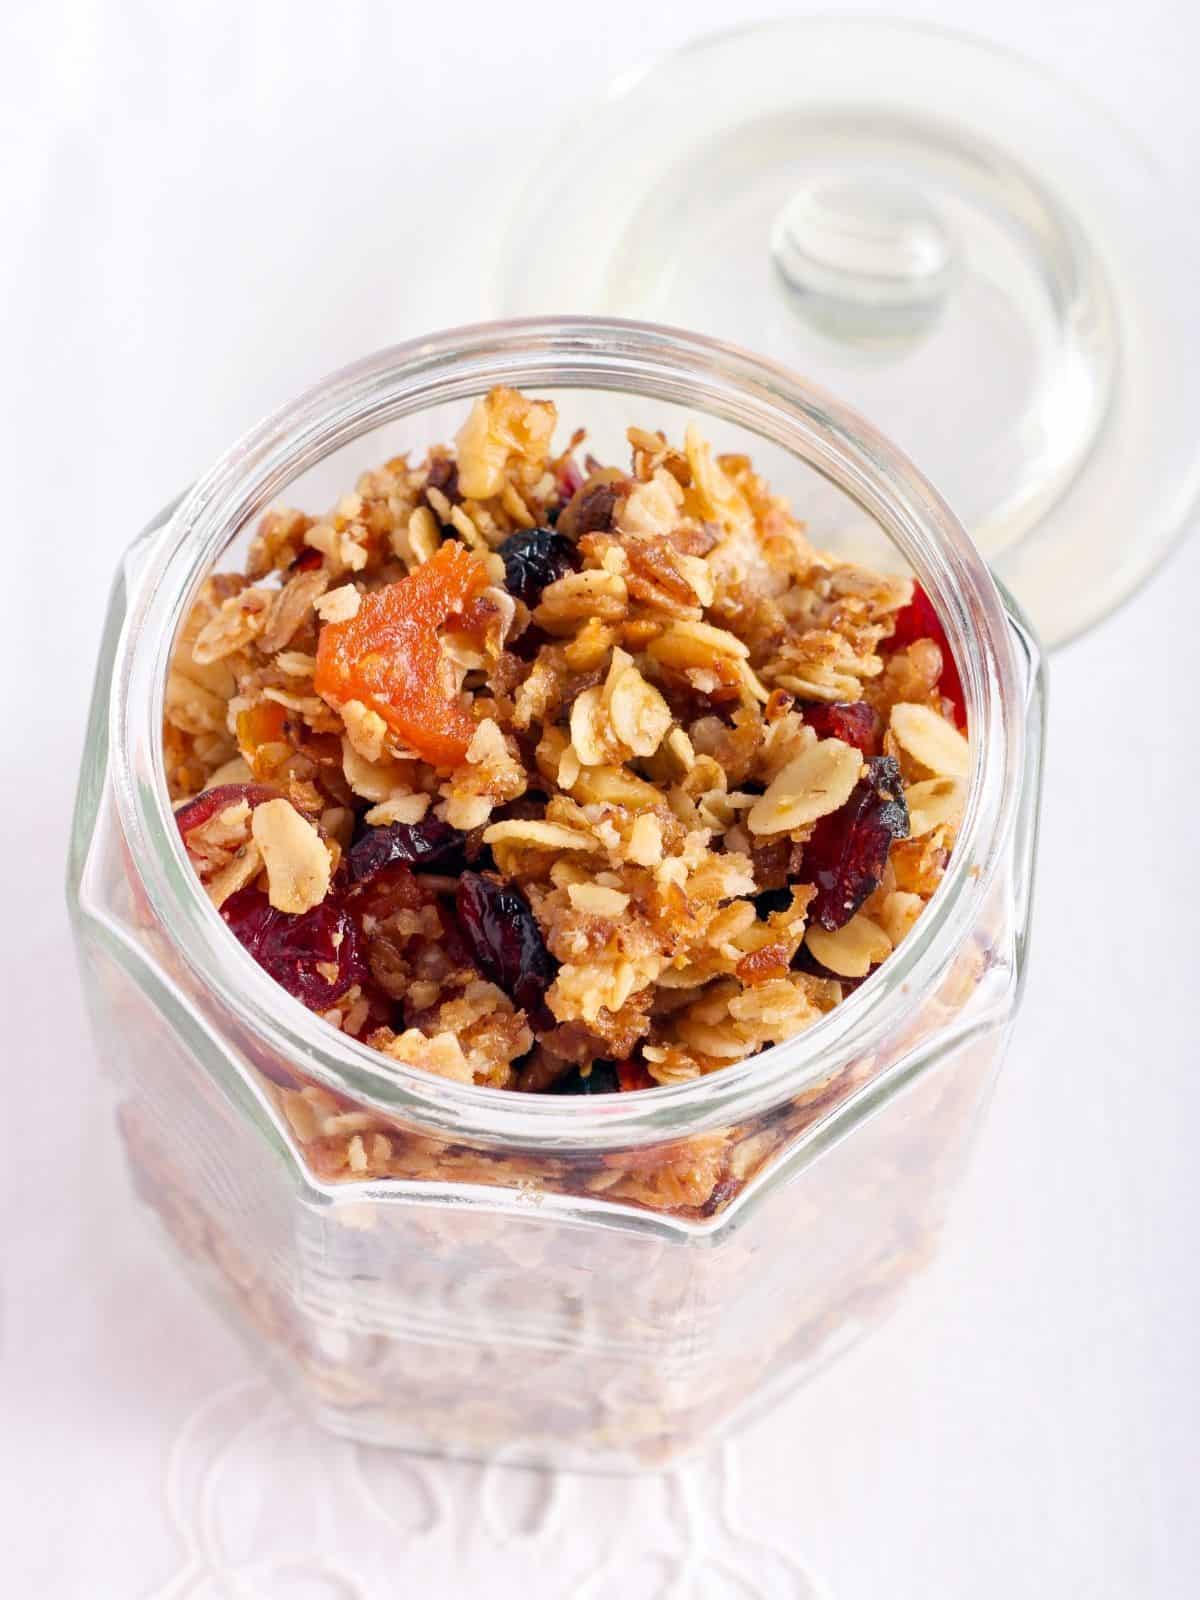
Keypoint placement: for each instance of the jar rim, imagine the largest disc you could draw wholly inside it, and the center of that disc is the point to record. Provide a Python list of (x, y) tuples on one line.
[(716, 379)]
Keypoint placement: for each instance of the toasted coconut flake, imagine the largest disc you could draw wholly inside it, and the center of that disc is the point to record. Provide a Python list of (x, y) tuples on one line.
[(401, 808), (817, 782), (537, 835), (236, 874), (899, 914), (596, 899), (294, 854), (931, 740), (590, 729), (935, 803), (852, 950), (365, 729), (338, 605), (639, 715)]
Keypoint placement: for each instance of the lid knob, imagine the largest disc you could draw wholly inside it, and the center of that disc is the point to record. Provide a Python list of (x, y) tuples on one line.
[(865, 259)]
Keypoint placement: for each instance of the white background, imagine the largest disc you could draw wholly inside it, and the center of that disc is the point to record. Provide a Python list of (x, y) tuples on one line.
[(206, 206)]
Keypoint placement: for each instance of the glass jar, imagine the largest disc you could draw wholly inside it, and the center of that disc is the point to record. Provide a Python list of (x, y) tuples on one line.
[(598, 1281)]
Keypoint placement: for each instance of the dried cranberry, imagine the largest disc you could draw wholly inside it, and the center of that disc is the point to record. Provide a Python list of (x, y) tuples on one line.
[(848, 851), (919, 620), (569, 478), (411, 843), (307, 561), (601, 1078), (534, 558), (852, 721), (295, 949), (194, 813), (506, 942)]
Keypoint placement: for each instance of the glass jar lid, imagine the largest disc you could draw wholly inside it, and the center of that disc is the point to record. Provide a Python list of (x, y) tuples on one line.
[(949, 238)]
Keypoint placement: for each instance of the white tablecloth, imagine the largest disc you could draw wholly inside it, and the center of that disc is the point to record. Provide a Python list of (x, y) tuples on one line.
[(205, 207)]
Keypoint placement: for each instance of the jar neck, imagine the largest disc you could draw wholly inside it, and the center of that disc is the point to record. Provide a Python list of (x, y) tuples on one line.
[(582, 354)]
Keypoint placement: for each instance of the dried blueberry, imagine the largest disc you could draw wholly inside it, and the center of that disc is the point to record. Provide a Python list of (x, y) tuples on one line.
[(506, 942), (418, 844), (601, 1078), (534, 558), (848, 851)]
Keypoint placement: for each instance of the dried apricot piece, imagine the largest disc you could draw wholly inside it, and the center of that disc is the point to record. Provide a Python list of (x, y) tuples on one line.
[(388, 657)]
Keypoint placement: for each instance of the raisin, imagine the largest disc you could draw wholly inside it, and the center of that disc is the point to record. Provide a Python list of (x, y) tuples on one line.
[(723, 1191), (601, 1078), (592, 507), (411, 843), (534, 558), (919, 620), (316, 956), (852, 721), (506, 942), (848, 851), (443, 476), (307, 561)]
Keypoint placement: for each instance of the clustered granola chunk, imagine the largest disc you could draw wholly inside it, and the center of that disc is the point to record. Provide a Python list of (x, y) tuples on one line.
[(552, 776)]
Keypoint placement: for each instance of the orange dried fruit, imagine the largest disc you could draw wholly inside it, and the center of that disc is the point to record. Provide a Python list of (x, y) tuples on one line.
[(388, 657), (262, 739)]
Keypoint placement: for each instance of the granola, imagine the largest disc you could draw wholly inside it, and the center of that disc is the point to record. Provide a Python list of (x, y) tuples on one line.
[(553, 776)]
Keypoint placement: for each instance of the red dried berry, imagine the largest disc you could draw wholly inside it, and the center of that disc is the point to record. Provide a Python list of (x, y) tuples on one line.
[(316, 956), (568, 478), (307, 561), (194, 813), (506, 942), (919, 620), (852, 721), (409, 843), (848, 851)]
